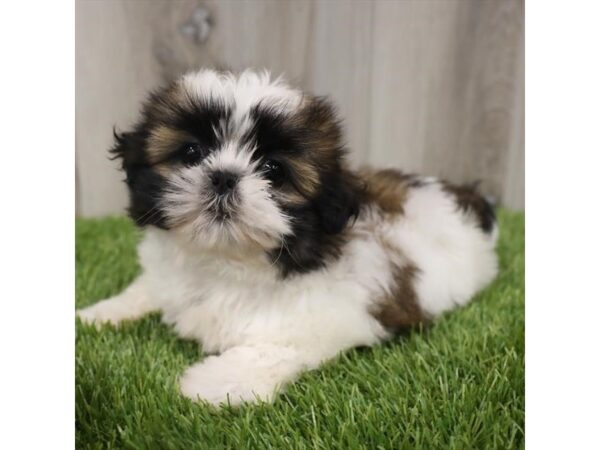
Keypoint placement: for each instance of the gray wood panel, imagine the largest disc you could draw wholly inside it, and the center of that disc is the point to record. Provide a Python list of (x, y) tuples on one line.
[(114, 67), (434, 86)]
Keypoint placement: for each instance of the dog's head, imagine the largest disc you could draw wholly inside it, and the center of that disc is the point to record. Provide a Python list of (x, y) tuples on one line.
[(241, 162)]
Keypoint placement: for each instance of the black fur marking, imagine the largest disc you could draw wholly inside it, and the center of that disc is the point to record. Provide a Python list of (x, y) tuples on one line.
[(130, 147), (337, 202), (276, 137), (145, 185), (271, 132), (318, 227), (469, 199), (145, 191), (201, 121), (308, 248)]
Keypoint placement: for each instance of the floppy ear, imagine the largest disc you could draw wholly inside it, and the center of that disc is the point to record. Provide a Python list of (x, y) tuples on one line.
[(338, 202), (145, 185), (129, 146)]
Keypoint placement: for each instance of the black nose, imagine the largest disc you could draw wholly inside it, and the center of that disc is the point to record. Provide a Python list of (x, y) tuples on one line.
[(223, 182)]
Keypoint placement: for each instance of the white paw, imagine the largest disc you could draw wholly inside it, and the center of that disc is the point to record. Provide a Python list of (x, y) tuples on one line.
[(199, 382), (241, 374), (106, 311)]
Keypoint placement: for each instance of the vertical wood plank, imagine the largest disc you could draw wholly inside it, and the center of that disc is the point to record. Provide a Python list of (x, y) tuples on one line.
[(114, 68), (514, 176), (77, 189), (340, 66), (408, 47)]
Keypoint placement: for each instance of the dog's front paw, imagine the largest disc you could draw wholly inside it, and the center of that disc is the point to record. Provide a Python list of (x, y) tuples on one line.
[(241, 374), (107, 311), (200, 383)]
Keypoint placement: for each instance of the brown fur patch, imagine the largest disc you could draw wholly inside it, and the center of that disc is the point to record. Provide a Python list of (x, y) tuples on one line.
[(321, 135), (306, 175), (292, 198), (399, 310), (318, 115), (163, 141), (387, 188), (163, 169)]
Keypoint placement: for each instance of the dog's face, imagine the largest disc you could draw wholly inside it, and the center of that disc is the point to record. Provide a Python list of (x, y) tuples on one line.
[(237, 162)]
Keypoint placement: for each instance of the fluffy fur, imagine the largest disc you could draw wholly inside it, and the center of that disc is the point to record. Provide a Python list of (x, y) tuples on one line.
[(265, 247)]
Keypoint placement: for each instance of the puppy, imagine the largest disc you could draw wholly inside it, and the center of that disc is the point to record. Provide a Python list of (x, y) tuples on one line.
[(261, 244)]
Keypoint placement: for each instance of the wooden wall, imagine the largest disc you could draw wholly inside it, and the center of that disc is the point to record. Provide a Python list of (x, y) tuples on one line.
[(434, 86)]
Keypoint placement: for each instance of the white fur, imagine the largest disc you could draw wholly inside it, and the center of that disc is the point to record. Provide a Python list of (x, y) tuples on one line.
[(242, 91), (268, 330)]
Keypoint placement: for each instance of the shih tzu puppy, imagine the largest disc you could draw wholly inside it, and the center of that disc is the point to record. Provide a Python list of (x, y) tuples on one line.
[(263, 245)]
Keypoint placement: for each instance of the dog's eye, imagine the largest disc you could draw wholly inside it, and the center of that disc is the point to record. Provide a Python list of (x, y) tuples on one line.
[(273, 172), (191, 153)]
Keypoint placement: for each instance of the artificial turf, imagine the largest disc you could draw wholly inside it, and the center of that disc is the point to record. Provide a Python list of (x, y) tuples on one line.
[(458, 384)]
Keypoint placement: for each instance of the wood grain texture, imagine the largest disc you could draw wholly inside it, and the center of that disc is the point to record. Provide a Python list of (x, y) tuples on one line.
[(434, 86), (114, 69), (341, 61)]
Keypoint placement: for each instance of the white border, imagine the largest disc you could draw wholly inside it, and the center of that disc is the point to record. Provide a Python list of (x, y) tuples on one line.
[(563, 224), (36, 229)]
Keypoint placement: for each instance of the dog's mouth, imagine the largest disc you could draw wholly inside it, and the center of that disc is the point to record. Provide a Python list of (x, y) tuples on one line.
[(222, 217), (223, 210)]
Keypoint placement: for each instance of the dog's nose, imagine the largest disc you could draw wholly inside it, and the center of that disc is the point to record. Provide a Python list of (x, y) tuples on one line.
[(223, 182)]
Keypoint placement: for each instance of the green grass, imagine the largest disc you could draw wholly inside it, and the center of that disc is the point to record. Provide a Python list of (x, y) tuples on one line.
[(460, 384)]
